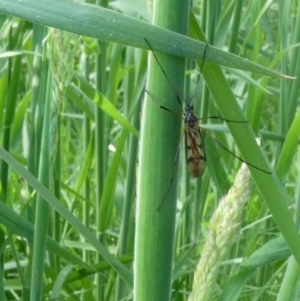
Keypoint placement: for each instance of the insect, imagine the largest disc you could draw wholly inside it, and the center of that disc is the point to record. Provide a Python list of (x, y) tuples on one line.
[(194, 145)]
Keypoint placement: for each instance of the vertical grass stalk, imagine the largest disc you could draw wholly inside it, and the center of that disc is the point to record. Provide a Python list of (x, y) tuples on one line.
[(160, 135), (101, 145), (42, 207)]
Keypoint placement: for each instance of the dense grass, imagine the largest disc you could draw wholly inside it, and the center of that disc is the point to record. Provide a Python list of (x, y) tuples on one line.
[(71, 108)]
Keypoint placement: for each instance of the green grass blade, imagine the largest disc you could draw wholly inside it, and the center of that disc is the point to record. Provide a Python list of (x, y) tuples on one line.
[(270, 186), (86, 90), (290, 144), (42, 211), (56, 204), (107, 25), (106, 204)]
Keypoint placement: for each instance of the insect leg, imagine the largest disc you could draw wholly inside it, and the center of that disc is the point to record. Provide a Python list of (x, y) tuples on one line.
[(224, 119), (234, 155), (173, 173)]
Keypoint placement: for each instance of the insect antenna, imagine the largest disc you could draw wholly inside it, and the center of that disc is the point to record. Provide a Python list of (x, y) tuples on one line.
[(166, 76), (200, 72)]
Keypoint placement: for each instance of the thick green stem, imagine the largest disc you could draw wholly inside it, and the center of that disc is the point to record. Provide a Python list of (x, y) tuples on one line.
[(160, 137)]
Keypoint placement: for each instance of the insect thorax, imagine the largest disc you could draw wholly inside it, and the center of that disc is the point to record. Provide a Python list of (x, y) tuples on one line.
[(190, 118)]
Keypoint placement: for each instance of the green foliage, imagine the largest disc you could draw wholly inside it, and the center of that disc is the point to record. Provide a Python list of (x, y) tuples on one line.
[(72, 98)]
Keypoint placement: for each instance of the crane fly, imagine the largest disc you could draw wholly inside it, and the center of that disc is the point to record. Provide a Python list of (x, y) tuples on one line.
[(194, 145)]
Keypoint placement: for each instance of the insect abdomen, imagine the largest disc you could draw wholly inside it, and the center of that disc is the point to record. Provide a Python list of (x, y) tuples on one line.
[(195, 152)]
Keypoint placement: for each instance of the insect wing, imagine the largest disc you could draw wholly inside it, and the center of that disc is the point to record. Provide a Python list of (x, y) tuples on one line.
[(195, 152)]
